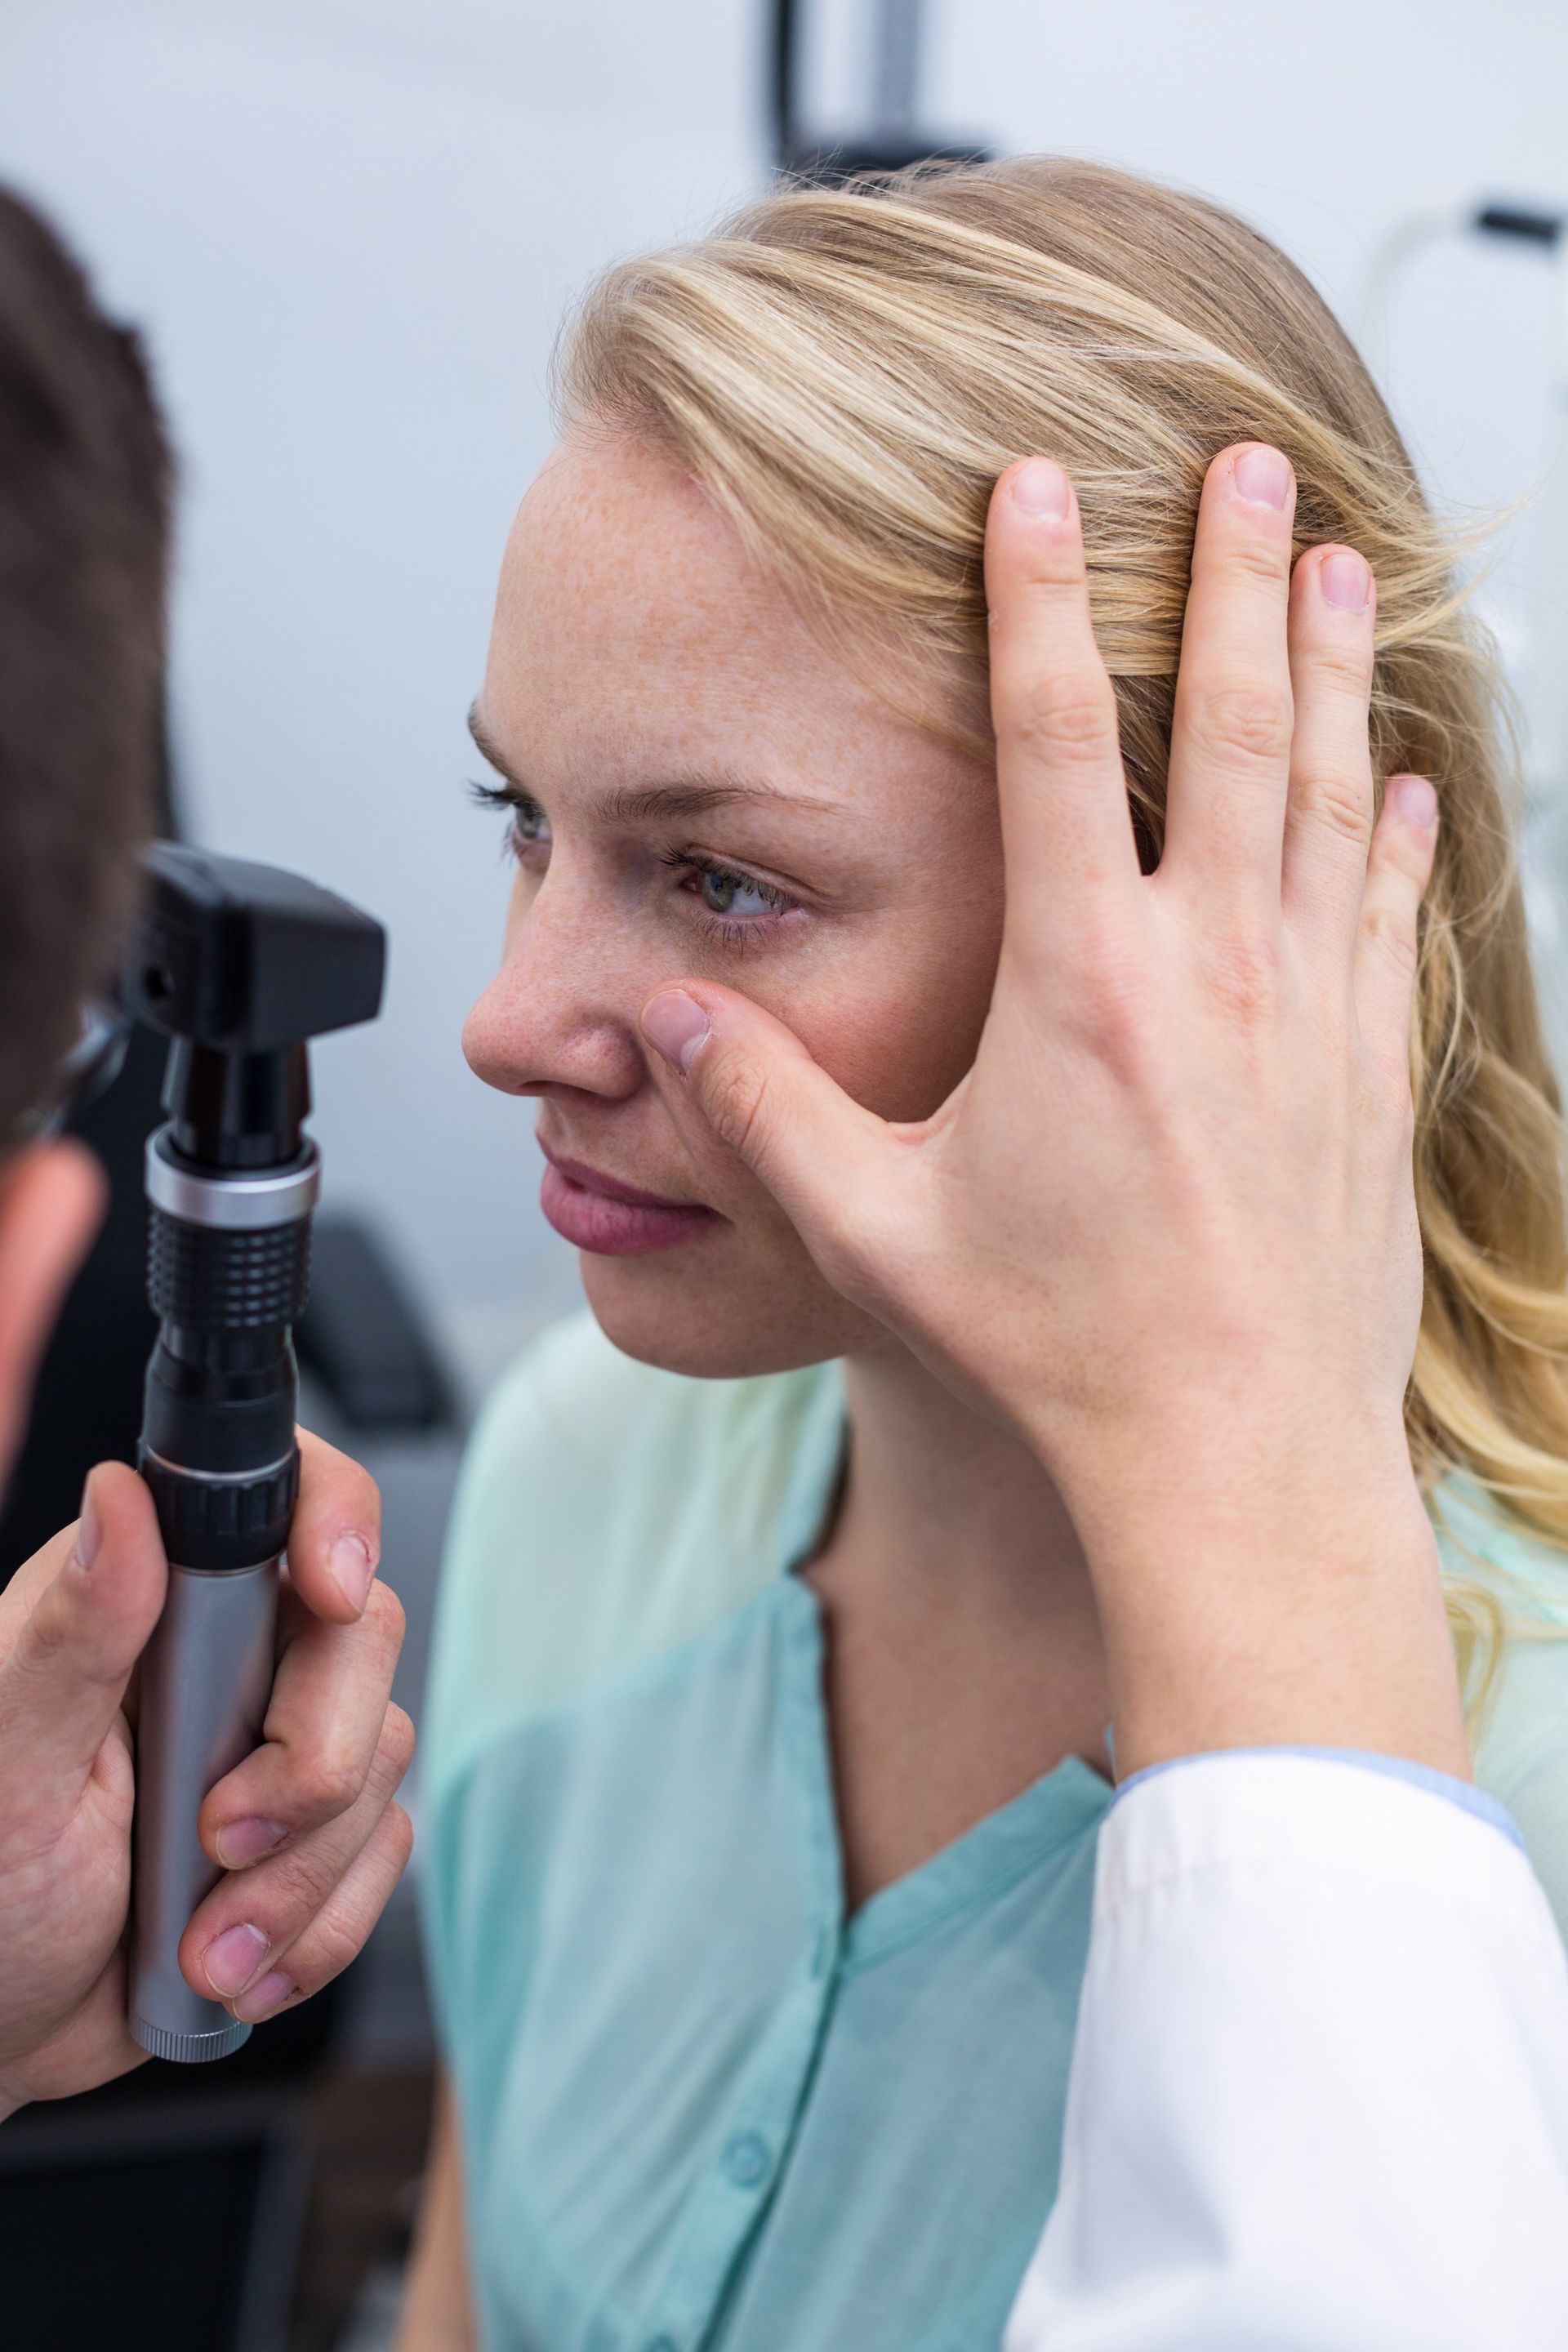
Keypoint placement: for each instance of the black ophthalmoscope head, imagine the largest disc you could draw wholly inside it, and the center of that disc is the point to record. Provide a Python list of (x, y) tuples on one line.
[(239, 964)]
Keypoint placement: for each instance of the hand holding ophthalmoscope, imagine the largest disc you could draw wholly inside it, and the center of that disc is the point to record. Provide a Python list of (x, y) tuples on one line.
[(158, 1658), (73, 1623)]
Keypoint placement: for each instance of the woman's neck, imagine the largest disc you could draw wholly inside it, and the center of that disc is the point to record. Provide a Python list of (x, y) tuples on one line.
[(964, 1650)]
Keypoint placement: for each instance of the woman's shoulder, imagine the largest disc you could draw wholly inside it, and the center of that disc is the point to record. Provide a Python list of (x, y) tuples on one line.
[(1522, 1748), (1480, 1543), (607, 1513)]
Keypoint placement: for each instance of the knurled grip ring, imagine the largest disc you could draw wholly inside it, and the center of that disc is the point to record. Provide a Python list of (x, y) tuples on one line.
[(203, 1278)]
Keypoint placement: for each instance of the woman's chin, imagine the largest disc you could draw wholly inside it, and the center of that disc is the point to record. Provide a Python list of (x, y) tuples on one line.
[(710, 1328)]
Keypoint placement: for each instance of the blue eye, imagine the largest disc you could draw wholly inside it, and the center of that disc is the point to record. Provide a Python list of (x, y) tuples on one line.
[(742, 909), (723, 893), (740, 904)]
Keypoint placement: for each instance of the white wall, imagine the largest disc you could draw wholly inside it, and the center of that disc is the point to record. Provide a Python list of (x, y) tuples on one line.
[(350, 226), (1325, 126)]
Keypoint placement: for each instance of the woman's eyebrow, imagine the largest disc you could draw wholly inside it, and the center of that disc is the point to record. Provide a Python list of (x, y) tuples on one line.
[(681, 796), (695, 797)]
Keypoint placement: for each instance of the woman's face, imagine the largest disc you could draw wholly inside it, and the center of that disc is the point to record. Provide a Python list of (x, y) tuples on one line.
[(699, 789)]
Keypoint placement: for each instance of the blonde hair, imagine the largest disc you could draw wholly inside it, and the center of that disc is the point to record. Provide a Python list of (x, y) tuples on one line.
[(848, 372)]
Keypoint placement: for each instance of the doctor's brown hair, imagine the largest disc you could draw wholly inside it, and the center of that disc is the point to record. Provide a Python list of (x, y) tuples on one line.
[(84, 494), (848, 371)]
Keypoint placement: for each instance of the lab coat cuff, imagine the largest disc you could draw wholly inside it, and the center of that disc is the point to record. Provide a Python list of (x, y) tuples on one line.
[(1283, 1809), (1463, 1794)]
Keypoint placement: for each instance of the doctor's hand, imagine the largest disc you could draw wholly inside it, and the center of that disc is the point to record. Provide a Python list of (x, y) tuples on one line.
[(310, 1842), (1166, 1228)]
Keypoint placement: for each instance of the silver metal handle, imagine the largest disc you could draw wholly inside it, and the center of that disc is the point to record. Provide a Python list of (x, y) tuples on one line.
[(207, 1676)]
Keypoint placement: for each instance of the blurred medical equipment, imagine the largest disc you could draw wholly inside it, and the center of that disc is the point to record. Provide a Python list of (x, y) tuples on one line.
[(1533, 635), (892, 137)]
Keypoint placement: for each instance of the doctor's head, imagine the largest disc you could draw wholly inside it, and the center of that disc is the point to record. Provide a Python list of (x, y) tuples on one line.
[(84, 495)]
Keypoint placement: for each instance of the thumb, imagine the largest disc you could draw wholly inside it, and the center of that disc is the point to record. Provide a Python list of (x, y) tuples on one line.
[(822, 1156), (63, 1680)]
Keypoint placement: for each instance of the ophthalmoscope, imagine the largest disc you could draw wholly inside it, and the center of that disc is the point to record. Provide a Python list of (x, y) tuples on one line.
[(238, 965)]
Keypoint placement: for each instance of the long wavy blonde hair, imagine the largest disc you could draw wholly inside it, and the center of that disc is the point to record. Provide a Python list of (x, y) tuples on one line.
[(848, 372)]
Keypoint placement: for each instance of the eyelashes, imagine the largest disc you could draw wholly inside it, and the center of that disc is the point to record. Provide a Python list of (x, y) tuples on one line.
[(713, 886), (492, 796), (519, 807)]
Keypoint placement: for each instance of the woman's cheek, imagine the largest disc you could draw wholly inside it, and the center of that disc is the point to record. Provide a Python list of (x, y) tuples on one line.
[(898, 1048), (902, 1022)]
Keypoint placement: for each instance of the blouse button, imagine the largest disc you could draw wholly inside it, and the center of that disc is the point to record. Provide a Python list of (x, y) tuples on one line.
[(746, 2159), (662, 2344)]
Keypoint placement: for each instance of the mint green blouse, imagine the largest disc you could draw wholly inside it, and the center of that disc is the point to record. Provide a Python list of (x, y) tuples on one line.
[(703, 2111)]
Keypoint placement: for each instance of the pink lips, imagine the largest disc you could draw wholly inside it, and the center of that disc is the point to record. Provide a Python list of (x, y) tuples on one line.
[(613, 1220)]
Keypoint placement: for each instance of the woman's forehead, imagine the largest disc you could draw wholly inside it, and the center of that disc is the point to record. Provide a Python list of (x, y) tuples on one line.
[(631, 613), (615, 545)]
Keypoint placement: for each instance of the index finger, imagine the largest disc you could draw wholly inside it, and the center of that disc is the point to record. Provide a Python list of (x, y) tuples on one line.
[(1066, 827), (334, 1537)]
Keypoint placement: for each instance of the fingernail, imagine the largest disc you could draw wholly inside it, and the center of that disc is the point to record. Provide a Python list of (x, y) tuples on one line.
[(1263, 477), (675, 1026), (89, 1530), (352, 1568), (243, 1842), (1416, 801), (1040, 487), (1346, 581), (262, 1999), (232, 1958)]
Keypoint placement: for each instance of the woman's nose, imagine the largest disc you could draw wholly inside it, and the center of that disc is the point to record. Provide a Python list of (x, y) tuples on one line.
[(560, 1012)]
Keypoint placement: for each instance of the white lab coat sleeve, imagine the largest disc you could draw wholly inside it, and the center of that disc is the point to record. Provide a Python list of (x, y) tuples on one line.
[(1319, 2098)]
